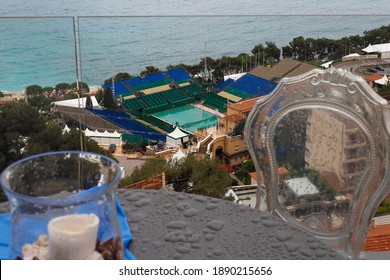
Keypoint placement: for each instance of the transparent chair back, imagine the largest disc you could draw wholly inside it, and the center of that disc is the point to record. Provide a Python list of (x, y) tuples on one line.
[(321, 141)]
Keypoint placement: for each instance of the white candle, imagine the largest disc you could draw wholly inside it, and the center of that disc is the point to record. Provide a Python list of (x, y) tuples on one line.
[(72, 237)]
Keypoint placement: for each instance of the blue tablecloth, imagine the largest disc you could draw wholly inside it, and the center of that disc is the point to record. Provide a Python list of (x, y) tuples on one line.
[(5, 229)]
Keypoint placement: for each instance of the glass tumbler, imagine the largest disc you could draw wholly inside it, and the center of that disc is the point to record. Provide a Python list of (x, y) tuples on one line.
[(63, 206)]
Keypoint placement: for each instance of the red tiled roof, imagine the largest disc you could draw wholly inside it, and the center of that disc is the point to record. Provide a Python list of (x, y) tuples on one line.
[(244, 106), (373, 77), (378, 239), (235, 118)]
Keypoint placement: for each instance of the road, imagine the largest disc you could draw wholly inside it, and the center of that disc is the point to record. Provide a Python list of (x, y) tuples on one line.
[(129, 163), (358, 66)]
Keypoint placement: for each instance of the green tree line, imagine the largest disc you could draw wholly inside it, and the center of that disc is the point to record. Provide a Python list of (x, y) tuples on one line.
[(312, 50)]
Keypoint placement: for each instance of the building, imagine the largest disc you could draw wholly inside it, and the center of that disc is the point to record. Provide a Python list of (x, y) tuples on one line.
[(230, 147), (104, 138), (335, 147), (371, 80), (382, 50), (282, 69)]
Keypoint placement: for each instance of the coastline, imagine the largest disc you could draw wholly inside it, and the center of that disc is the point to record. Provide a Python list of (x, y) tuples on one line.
[(92, 90)]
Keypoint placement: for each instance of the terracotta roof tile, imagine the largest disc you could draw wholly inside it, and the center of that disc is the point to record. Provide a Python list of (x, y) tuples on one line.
[(373, 77), (244, 106), (234, 118), (378, 239)]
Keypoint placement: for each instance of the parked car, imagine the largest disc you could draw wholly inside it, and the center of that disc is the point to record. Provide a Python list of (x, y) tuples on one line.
[(371, 70), (380, 68), (112, 148)]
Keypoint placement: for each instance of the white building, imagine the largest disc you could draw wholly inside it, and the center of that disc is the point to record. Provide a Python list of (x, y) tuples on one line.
[(301, 186), (382, 49)]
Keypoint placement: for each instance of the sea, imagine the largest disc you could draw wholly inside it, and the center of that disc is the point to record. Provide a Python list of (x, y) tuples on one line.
[(37, 43)]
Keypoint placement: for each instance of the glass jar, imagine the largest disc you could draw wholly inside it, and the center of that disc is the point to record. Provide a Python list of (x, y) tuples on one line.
[(63, 206)]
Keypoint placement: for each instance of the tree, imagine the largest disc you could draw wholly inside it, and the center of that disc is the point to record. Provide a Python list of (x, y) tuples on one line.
[(33, 90), (19, 122), (48, 91), (119, 77), (62, 88), (40, 102), (88, 103), (108, 100), (258, 49), (271, 51), (384, 90), (248, 165), (72, 139), (150, 70), (99, 95), (192, 175), (83, 87), (1, 94)]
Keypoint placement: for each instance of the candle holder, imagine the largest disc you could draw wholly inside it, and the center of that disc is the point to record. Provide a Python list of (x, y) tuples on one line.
[(63, 206)]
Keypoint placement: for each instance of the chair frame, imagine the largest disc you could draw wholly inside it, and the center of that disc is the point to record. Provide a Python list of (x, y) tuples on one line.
[(346, 94)]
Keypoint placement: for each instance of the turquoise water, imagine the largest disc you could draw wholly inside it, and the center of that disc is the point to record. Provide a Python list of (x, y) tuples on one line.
[(128, 35), (188, 117)]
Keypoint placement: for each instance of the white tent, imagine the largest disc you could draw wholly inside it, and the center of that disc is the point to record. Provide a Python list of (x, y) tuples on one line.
[(177, 137), (352, 56), (370, 49), (383, 81), (233, 76), (179, 155), (105, 138), (66, 129), (78, 102), (383, 49)]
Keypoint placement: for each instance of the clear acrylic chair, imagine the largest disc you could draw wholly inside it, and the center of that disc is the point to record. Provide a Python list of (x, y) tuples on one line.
[(329, 133)]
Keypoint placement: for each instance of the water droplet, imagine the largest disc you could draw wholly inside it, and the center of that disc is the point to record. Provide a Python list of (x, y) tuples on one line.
[(306, 253), (142, 202), (177, 256), (211, 206), (216, 225), (283, 236), (190, 212), (320, 253), (183, 249), (292, 246), (314, 246), (270, 223), (209, 237), (172, 236), (195, 238), (183, 206), (218, 252), (177, 225), (135, 217), (136, 197), (200, 199), (196, 246)]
